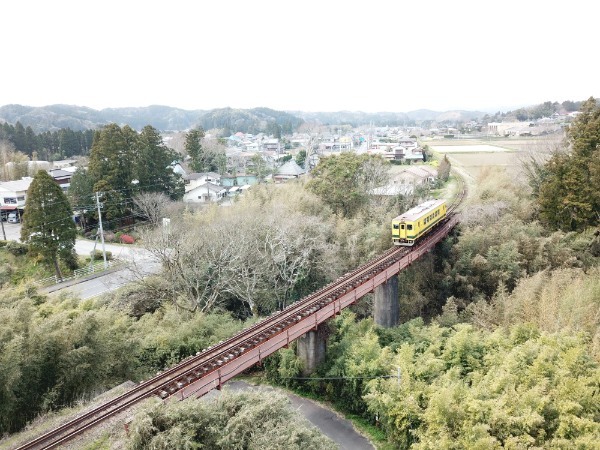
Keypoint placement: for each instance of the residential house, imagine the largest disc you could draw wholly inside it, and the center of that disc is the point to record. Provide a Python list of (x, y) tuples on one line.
[(287, 171), (205, 193), (251, 147), (13, 195), (272, 145), (194, 180), (416, 175), (62, 178)]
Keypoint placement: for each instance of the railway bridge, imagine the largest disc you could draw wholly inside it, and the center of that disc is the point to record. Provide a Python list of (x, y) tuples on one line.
[(213, 366)]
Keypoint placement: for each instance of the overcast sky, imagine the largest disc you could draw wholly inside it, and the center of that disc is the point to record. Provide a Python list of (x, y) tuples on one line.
[(306, 55)]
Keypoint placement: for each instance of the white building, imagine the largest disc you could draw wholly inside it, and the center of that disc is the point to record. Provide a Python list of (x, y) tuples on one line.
[(13, 195), (193, 180), (205, 193)]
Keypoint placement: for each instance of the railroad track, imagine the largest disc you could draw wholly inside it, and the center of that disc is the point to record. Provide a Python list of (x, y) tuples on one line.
[(208, 363)]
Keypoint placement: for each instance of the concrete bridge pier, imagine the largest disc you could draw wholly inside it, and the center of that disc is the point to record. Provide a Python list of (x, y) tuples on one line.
[(311, 349), (386, 305)]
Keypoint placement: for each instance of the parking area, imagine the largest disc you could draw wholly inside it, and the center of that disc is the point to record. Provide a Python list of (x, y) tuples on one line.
[(12, 231)]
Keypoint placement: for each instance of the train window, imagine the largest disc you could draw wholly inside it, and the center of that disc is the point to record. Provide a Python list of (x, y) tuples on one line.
[(395, 226), (409, 226), (402, 227)]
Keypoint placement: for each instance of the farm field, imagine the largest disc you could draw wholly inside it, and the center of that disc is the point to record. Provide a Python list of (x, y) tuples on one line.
[(470, 148), (474, 155)]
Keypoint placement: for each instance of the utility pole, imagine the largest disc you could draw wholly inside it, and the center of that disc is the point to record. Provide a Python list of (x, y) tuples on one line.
[(3, 232), (101, 230)]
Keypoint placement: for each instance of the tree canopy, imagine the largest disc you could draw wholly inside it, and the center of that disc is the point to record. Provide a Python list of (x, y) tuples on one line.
[(48, 226), (569, 194), (123, 162), (344, 182)]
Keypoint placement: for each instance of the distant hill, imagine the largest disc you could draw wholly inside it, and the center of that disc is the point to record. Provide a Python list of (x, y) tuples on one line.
[(166, 118), (381, 119), (55, 117)]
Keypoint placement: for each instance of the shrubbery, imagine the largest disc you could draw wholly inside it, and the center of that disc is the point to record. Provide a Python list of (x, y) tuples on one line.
[(52, 352), (247, 420), (126, 239)]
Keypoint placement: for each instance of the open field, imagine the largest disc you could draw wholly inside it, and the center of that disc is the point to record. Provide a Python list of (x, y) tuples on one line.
[(472, 148), (508, 153)]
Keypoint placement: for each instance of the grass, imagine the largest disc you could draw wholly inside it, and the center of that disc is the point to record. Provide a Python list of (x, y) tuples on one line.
[(15, 269)]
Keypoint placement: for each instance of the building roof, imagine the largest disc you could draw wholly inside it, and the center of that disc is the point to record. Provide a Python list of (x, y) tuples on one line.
[(60, 173), (421, 171), (16, 186), (210, 186), (199, 175), (290, 169)]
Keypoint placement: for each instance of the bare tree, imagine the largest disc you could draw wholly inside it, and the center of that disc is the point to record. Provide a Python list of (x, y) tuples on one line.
[(14, 163), (193, 259), (257, 252), (153, 206)]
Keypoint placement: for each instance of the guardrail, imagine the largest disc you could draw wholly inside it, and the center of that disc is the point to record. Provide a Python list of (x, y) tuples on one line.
[(80, 273)]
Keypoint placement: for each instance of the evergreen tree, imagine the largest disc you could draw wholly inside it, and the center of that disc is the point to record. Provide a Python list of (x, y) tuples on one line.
[(81, 193), (193, 147), (152, 165), (111, 166), (48, 226), (569, 197)]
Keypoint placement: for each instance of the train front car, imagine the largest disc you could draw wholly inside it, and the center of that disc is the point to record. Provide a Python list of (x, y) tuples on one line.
[(407, 228)]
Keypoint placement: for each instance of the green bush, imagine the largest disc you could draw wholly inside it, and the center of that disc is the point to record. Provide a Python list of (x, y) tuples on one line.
[(97, 255), (16, 248)]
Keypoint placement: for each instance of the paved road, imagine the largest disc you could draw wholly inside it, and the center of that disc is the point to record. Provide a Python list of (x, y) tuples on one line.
[(328, 422), (139, 263), (12, 231)]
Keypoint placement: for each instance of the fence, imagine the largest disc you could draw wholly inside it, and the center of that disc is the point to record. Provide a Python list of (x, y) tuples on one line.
[(80, 273)]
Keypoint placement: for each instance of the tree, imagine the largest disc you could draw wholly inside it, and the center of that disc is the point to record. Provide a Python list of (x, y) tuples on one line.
[(48, 226), (301, 157), (258, 167), (154, 206), (152, 165), (193, 147), (14, 163), (569, 197), (81, 193), (444, 169), (111, 167), (344, 182)]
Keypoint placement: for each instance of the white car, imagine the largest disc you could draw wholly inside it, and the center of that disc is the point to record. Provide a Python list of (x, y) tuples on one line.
[(13, 217)]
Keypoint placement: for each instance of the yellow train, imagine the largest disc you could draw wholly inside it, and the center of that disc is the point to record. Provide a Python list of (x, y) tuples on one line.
[(407, 228)]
